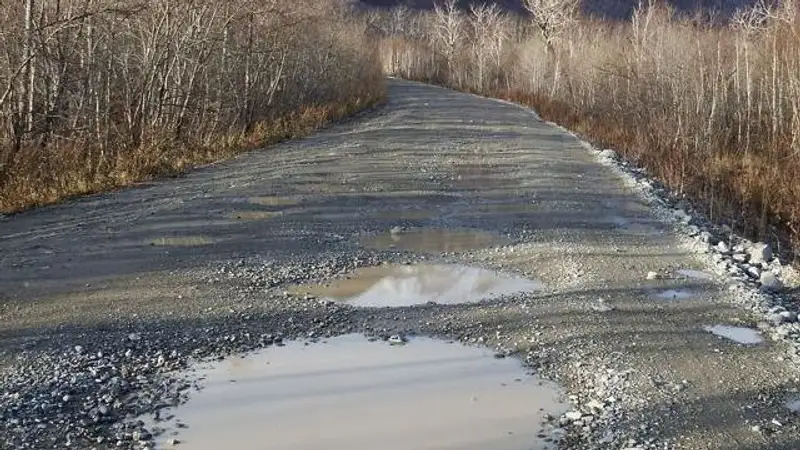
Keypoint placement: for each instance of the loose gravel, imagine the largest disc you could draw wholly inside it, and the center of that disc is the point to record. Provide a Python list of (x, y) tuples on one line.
[(99, 326)]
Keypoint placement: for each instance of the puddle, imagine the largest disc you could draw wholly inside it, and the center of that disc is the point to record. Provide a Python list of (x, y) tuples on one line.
[(510, 208), (254, 215), (182, 241), (405, 285), (674, 294), (695, 274), (633, 227), (431, 240), (405, 214), (742, 335), (352, 394), (273, 201)]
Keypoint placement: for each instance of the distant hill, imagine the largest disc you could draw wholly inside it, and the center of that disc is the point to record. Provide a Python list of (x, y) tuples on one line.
[(618, 9)]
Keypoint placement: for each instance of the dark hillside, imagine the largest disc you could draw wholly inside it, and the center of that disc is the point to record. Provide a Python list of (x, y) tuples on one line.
[(618, 9)]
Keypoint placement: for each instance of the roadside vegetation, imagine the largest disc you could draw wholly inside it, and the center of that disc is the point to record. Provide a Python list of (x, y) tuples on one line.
[(99, 94), (710, 107)]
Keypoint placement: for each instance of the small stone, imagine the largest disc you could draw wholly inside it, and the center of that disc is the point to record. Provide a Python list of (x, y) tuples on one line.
[(652, 276), (595, 405), (740, 257), (397, 340), (608, 154), (722, 247), (573, 415), (173, 442), (78, 349)]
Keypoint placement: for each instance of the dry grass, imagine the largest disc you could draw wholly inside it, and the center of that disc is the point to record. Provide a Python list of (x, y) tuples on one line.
[(99, 95), (41, 176), (712, 111)]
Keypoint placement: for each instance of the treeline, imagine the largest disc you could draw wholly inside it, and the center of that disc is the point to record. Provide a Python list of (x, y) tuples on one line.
[(711, 110), (96, 94)]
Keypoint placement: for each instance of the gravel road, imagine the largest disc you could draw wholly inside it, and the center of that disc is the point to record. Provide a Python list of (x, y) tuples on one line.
[(104, 297)]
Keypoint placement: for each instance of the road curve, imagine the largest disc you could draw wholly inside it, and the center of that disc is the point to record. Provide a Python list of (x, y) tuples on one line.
[(213, 251)]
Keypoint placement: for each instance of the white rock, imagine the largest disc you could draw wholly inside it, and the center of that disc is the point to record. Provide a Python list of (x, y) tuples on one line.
[(740, 257), (608, 154), (760, 253), (573, 415), (652, 276), (769, 281), (753, 271), (722, 247), (595, 405)]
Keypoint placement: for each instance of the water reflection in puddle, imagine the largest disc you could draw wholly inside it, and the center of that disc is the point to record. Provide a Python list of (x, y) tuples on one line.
[(182, 241), (400, 285), (674, 294), (433, 240), (352, 394), (742, 335)]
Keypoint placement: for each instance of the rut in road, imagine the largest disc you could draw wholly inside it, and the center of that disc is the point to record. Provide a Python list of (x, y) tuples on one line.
[(430, 159)]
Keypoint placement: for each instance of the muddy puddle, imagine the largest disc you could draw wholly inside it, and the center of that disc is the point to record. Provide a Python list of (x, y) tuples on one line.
[(433, 240), (406, 285), (741, 335), (254, 215), (181, 241), (352, 394), (273, 201)]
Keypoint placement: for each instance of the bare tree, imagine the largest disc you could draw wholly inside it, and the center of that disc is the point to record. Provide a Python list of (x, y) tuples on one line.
[(449, 29), (552, 17), (488, 36)]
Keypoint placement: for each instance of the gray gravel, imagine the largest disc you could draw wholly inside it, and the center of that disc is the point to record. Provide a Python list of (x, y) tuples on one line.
[(103, 298)]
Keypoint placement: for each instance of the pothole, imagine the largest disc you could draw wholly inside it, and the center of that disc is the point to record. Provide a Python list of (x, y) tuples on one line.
[(674, 294), (254, 215), (633, 227), (433, 240), (405, 285), (273, 201), (741, 335), (182, 241), (350, 393)]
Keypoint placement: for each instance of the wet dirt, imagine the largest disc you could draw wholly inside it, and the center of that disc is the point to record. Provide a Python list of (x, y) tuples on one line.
[(432, 240), (182, 241)]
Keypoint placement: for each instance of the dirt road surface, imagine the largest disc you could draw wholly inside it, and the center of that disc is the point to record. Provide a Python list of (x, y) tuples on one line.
[(131, 284)]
